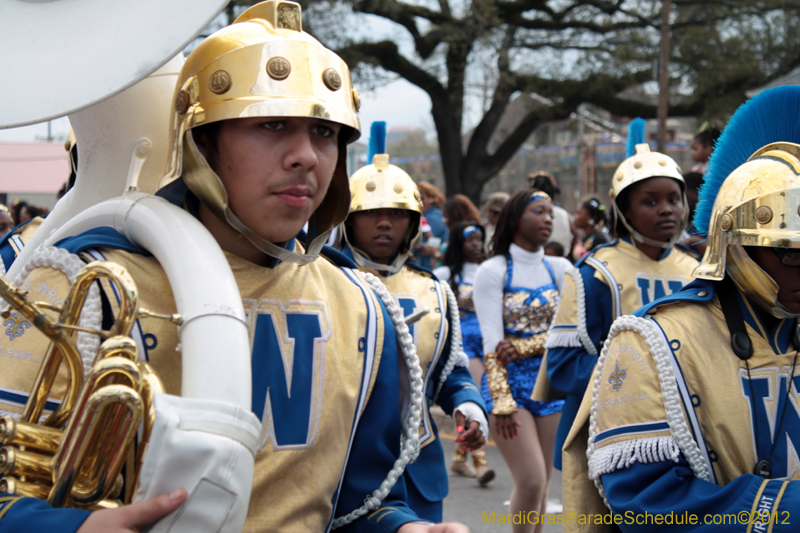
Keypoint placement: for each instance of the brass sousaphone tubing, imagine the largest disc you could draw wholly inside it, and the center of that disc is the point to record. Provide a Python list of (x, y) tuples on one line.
[(75, 456)]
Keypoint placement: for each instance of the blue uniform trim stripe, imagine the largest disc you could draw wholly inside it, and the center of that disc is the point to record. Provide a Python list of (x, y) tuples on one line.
[(16, 243), (371, 347), (18, 398), (766, 505), (440, 342), (612, 282), (688, 407), (564, 327), (632, 429)]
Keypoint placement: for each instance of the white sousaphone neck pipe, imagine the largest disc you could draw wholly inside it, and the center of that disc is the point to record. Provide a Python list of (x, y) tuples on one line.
[(190, 258)]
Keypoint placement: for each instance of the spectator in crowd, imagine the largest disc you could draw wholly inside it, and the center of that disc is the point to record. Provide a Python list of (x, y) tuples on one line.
[(702, 146), (590, 221), (491, 209), (463, 257), (15, 209), (459, 208), (562, 221), (6, 222), (432, 201), (553, 249), (690, 237)]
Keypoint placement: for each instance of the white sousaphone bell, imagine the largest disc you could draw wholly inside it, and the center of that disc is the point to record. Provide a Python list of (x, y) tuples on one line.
[(98, 61)]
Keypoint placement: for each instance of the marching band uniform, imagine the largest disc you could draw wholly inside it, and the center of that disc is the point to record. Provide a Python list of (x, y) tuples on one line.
[(415, 287), (325, 362), (14, 241), (350, 377), (516, 298), (612, 280), (685, 414)]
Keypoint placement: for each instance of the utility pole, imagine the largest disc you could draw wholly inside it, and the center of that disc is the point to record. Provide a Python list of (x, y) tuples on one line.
[(663, 77), (581, 161)]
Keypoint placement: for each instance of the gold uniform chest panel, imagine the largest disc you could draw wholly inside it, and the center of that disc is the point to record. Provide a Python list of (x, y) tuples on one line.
[(639, 279), (414, 290)]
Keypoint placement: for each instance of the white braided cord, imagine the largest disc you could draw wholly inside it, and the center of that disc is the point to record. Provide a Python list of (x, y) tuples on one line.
[(676, 418), (457, 356), (92, 313), (579, 337), (409, 446), (580, 290)]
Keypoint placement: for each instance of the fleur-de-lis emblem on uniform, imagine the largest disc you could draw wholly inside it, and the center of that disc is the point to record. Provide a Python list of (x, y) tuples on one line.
[(16, 325), (616, 377)]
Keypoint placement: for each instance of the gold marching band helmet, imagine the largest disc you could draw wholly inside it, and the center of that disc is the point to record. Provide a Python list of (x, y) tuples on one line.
[(382, 185), (751, 194), (758, 204), (643, 165), (294, 76)]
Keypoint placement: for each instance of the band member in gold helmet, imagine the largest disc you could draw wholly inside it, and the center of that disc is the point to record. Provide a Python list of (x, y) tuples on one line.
[(641, 265), (262, 116), (380, 232), (693, 409)]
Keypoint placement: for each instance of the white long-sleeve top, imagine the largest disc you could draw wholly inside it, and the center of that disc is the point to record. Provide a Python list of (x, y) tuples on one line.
[(468, 273), (487, 293)]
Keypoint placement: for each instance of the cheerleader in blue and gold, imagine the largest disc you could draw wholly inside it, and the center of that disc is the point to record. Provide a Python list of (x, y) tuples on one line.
[(463, 257), (516, 295)]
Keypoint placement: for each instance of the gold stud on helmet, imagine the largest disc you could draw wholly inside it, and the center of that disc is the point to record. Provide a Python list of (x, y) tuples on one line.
[(643, 165), (385, 186), (263, 65)]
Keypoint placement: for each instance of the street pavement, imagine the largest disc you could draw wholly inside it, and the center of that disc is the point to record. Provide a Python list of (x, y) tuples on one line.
[(471, 504)]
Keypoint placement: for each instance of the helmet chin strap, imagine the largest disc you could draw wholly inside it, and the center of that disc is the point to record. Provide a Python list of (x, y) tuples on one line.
[(272, 249), (752, 280)]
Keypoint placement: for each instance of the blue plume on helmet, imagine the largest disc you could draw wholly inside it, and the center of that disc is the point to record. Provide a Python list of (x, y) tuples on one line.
[(377, 140), (635, 136), (771, 116)]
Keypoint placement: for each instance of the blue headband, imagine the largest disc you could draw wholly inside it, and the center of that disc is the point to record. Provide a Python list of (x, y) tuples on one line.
[(469, 230), (538, 195)]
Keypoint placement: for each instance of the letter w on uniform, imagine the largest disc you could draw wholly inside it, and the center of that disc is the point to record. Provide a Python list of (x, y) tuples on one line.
[(652, 288), (288, 360), (768, 411)]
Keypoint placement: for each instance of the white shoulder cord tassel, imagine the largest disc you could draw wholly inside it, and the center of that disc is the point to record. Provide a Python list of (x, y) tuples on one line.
[(676, 417), (92, 312), (457, 355), (410, 444)]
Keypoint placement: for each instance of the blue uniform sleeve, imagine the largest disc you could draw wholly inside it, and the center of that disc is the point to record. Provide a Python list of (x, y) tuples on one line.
[(643, 492), (31, 515), (376, 446), (7, 255), (459, 386), (569, 369)]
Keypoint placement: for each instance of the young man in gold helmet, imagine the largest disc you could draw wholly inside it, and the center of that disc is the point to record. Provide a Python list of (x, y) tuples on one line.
[(643, 264), (263, 114), (380, 232), (692, 415)]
